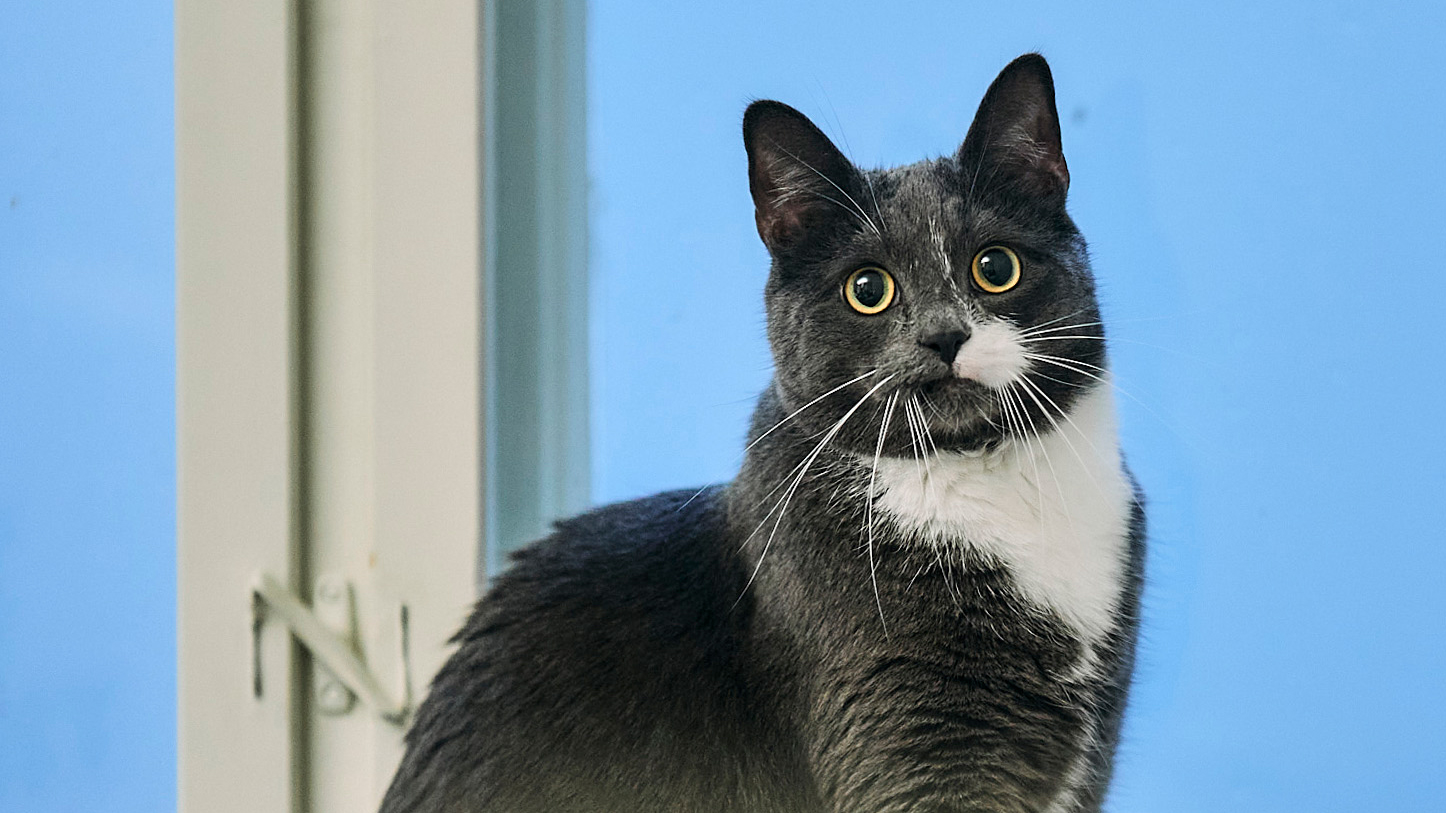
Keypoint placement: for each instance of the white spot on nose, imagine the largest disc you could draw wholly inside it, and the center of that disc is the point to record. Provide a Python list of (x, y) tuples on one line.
[(993, 356)]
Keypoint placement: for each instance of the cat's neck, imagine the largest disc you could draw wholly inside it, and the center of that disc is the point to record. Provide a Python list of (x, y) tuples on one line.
[(1053, 509)]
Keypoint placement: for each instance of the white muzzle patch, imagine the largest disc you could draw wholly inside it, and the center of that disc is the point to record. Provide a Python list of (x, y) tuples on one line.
[(993, 356)]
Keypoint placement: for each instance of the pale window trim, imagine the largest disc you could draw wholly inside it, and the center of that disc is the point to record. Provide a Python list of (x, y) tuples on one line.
[(336, 225)]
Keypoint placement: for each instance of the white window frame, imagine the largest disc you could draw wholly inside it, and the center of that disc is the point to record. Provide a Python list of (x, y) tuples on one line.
[(337, 296)]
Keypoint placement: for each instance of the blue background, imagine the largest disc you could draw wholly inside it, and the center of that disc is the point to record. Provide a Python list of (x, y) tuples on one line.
[(1262, 186), (87, 417)]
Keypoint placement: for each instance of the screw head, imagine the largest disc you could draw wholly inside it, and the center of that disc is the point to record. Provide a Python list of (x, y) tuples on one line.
[(334, 698), (329, 590)]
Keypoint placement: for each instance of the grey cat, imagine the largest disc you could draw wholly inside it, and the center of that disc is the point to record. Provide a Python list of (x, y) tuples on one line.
[(921, 591)]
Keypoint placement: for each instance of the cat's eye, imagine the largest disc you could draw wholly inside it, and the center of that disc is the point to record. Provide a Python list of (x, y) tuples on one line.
[(997, 269), (869, 290)]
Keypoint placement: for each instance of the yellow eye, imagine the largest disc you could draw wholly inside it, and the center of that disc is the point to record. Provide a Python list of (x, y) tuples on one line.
[(869, 290), (997, 269)]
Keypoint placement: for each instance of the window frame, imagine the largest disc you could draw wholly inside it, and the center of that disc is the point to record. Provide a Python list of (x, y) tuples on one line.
[(340, 274)]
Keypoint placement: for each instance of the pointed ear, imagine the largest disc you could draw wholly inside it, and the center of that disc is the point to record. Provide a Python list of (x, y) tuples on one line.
[(1015, 134), (801, 183)]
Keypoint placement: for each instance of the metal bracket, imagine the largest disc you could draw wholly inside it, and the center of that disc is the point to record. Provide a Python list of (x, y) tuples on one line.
[(333, 652), (334, 606)]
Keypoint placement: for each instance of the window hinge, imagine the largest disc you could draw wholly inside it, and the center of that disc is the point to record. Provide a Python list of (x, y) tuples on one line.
[(328, 633)]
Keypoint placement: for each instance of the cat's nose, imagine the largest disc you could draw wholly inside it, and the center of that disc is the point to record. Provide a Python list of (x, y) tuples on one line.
[(946, 344)]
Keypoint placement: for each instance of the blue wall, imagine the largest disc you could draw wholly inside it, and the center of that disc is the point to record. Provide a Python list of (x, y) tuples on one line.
[(1262, 185), (87, 473)]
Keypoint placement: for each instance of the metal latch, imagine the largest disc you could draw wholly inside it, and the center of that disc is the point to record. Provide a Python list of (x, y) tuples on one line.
[(330, 639)]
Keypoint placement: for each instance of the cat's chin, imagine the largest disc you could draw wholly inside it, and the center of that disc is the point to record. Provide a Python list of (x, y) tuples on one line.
[(963, 415)]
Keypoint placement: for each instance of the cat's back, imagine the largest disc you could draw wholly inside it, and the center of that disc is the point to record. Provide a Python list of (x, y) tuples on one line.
[(608, 669)]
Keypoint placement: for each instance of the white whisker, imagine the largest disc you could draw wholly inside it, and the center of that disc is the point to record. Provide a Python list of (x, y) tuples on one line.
[(869, 508), (1055, 320), (1030, 385), (1076, 362), (793, 488), (863, 216), (1066, 364), (1017, 407), (1053, 473), (796, 412), (771, 429)]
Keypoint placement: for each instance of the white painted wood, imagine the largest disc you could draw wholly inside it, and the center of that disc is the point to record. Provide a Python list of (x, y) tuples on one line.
[(331, 256), (236, 401), (394, 256)]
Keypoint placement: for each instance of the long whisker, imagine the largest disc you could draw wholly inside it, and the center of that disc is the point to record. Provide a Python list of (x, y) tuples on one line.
[(1030, 385), (929, 440), (771, 429), (869, 509), (792, 476), (1041, 329), (1044, 327), (924, 424), (1056, 320), (916, 443), (1064, 415), (848, 150), (1044, 450), (878, 211), (792, 489), (1066, 364), (864, 216), (1054, 473), (1010, 431), (798, 411), (1027, 340), (1083, 364), (1015, 409), (1081, 368), (863, 219), (1084, 386), (1113, 321)]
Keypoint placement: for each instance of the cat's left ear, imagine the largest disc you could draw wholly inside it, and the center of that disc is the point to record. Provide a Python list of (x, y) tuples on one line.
[(1015, 134), (802, 185)]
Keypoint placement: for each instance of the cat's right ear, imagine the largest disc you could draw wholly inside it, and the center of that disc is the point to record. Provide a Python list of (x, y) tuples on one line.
[(1015, 135), (800, 181)]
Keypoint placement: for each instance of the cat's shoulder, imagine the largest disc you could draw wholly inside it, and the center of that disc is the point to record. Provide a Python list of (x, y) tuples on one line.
[(618, 587), (623, 555), (609, 642)]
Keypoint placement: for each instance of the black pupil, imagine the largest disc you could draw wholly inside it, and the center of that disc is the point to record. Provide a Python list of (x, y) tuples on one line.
[(869, 288), (996, 267)]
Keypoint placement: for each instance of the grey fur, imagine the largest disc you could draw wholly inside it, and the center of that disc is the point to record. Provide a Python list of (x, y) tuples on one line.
[(727, 650)]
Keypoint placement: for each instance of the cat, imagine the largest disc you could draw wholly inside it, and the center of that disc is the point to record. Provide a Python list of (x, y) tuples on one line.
[(921, 591)]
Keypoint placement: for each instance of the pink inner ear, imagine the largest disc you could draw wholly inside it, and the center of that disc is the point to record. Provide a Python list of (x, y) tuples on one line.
[(780, 229), (1058, 168)]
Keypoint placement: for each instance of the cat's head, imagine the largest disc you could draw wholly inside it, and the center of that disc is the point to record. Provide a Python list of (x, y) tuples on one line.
[(955, 292)]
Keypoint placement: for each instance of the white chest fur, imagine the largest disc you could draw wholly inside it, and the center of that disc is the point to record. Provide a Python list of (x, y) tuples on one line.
[(1055, 511)]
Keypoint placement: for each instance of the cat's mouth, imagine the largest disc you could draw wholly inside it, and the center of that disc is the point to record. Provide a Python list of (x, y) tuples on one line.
[(959, 413)]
